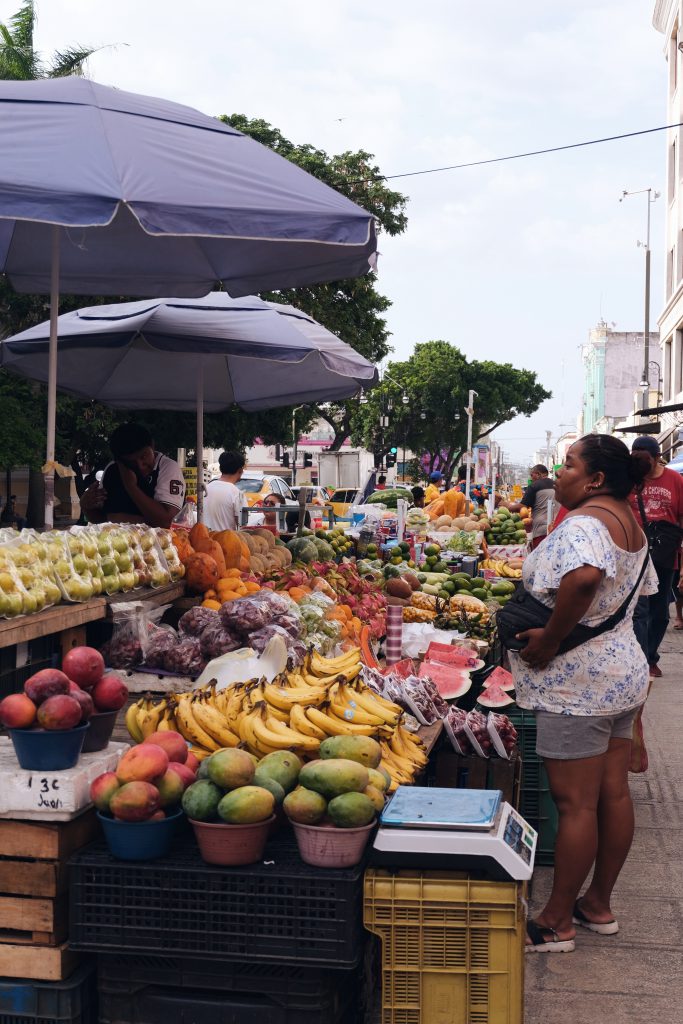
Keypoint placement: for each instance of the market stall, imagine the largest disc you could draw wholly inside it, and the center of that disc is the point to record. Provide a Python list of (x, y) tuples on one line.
[(238, 863)]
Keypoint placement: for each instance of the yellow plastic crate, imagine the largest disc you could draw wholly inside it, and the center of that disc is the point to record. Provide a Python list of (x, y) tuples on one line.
[(452, 947)]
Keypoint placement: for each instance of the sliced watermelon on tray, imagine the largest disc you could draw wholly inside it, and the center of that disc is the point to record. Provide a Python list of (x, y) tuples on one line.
[(500, 677), (494, 697), (450, 681)]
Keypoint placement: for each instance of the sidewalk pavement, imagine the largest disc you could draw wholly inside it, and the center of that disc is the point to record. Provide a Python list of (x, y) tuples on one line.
[(635, 977)]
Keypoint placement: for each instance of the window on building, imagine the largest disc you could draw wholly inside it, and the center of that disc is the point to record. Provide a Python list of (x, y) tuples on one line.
[(669, 273), (668, 382), (671, 175), (673, 61), (678, 361)]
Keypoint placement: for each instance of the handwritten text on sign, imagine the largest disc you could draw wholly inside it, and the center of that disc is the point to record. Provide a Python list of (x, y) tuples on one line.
[(46, 792)]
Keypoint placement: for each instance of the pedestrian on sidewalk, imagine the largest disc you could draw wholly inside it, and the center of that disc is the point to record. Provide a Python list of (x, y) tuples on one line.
[(662, 496), (592, 565)]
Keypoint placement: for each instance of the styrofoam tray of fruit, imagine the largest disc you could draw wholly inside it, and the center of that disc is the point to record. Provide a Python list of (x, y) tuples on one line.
[(51, 796), (507, 550)]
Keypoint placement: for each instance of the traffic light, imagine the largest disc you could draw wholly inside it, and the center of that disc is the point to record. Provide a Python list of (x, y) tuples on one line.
[(391, 459), (308, 459), (278, 452), (393, 451), (285, 460)]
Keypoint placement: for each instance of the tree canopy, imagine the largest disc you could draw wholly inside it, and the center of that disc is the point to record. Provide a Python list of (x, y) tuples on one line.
[(436, 381), (20, 61)]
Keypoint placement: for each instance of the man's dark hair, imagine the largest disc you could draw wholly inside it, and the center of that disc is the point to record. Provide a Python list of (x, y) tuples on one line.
[(417, 492), (231, 462), (543, 470), (128, 439), (462, 472), (381, 479)]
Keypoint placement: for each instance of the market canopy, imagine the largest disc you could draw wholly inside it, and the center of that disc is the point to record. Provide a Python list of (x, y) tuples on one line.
[(151, 354), (157, 198)]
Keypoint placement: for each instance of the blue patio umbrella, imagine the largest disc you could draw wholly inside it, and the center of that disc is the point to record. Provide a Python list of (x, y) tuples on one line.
[(107, 192), (184, 354)]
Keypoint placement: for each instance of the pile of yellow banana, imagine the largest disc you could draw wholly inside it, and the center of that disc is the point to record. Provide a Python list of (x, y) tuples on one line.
[(501, 568), (324, 697)]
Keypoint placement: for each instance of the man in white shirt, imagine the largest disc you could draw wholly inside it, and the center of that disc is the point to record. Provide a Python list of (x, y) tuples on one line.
[(140, 486), (224, 499)]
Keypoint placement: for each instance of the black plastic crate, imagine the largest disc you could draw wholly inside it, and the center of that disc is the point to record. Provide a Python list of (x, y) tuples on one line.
[(277, 910), (163, 990), (536, 805), (74, 1001)]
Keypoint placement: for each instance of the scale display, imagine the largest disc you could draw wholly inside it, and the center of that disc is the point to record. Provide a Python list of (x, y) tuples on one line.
[(457, 829), (419, 807)]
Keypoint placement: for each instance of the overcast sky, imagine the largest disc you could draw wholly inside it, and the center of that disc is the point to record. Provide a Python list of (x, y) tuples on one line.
[(516, 261)]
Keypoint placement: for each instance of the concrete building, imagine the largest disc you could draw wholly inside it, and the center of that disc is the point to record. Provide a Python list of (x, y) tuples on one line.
[(613, 366), (668, 19)]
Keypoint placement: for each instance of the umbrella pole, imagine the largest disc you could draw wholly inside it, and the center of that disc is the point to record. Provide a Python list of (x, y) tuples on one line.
[(200, 442), (49, 472)]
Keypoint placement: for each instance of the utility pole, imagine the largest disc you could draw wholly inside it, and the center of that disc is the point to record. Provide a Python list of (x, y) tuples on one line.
[(548, 435), (652, 197), (470, 416)]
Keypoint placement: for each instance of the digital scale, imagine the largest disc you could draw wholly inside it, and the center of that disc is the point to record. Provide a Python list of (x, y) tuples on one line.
[(456, 829)]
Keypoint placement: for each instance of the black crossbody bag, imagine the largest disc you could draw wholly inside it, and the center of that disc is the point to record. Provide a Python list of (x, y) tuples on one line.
[(523, 612)]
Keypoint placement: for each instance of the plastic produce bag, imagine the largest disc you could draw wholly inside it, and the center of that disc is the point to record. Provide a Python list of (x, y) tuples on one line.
[(296, 651), (14, 598), (125, 648), (197, 619), (185, 657), (159, 641), (245, 615), (176, 568), (154, 563), (216, 640), (28, 553), (116, 558)]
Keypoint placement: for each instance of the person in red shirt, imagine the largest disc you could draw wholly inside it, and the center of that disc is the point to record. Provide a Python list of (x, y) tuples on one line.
[(662, 500)]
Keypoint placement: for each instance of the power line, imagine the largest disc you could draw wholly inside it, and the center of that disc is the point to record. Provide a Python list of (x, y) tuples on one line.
[(522, 156)]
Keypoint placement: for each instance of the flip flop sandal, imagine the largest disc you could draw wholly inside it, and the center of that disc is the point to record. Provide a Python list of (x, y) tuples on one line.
[(600, 928), (539, 944)]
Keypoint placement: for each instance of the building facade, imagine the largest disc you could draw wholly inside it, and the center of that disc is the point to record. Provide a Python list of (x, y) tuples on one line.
[(668, 19), (613, 366)]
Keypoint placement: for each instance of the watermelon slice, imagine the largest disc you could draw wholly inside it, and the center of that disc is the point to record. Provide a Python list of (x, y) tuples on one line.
[(450, 681), (500, 677), (457, 656), (494, 697)]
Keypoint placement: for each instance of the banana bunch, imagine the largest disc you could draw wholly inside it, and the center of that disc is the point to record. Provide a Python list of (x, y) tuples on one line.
[(296, 711), (403, 757), (501, 568)]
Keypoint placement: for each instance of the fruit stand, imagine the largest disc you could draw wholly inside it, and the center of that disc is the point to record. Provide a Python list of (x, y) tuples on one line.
[(227, 863)]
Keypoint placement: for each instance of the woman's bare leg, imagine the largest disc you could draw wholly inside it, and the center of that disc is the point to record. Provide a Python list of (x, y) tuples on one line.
[(615, 832)]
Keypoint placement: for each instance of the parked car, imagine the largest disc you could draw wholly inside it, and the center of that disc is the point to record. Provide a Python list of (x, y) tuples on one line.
[(255, 486), (343, 498), (315, 496)]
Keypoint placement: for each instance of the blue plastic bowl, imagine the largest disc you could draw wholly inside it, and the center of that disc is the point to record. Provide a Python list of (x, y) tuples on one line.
[(140, 840), (46, 750)]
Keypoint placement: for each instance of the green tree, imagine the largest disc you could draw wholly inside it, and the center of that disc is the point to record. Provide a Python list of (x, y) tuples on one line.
[(19, 59), (352, 309), (436, 380)]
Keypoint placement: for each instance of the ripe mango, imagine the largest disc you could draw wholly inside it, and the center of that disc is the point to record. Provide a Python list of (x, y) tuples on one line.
[(304, 806), (283, 766), (362, 749), (261, 778), (381, 780), (200, 800), (231, 768), (376, 797), (351, 810), (333, 777), (247, 805)]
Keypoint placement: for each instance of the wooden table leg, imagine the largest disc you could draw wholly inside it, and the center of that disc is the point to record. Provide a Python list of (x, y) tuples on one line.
[(69, 638)]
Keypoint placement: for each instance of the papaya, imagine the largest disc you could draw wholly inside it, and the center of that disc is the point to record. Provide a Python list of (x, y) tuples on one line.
[(304, 806), (210, 547), (333, 777), (247, 805), (351, 810), (201, 799), (198, 533), (362, 749), (231, 768), (283, 766)]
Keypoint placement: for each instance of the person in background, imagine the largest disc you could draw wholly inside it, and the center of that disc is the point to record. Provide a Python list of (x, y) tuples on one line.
[(381, 483), (586, 700), (140, 486), (224, 499), (434, 487), (662, 496), (418, 497), (537, 496), (270, 503), (9, 515)]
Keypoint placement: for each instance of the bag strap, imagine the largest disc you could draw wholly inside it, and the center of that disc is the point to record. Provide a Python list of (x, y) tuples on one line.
[(616, 617)]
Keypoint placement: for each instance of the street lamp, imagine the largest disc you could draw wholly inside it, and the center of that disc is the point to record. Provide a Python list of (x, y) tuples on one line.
[(470, 416), (652, 197), (645, 383)]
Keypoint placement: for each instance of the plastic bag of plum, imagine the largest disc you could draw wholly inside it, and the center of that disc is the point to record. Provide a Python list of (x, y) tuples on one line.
[(185, 657), (245, 615), (196, 620), (454, 724), (503, 734), (477, 732), (430, 688), (215, 639), (125, 649), (158, 643)]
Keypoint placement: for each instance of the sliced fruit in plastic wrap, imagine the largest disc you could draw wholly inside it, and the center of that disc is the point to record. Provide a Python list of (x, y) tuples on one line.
[(73, 587), (153, 558), (478, 733), (419, 702), (454, 724), (403, 668), (432, 692), (502, 732), (195, 620)]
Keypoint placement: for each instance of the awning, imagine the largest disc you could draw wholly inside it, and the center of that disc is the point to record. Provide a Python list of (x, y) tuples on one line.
[(641, 428)]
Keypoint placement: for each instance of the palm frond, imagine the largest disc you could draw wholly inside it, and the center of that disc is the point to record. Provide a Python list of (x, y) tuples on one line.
[(71, 61), (23, 24)]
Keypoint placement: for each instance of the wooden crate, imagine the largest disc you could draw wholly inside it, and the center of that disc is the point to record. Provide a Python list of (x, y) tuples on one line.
[(34, 914), (460, 771)]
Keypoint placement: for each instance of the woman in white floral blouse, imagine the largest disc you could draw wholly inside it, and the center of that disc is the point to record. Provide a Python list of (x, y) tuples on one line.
[(586, 699)]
